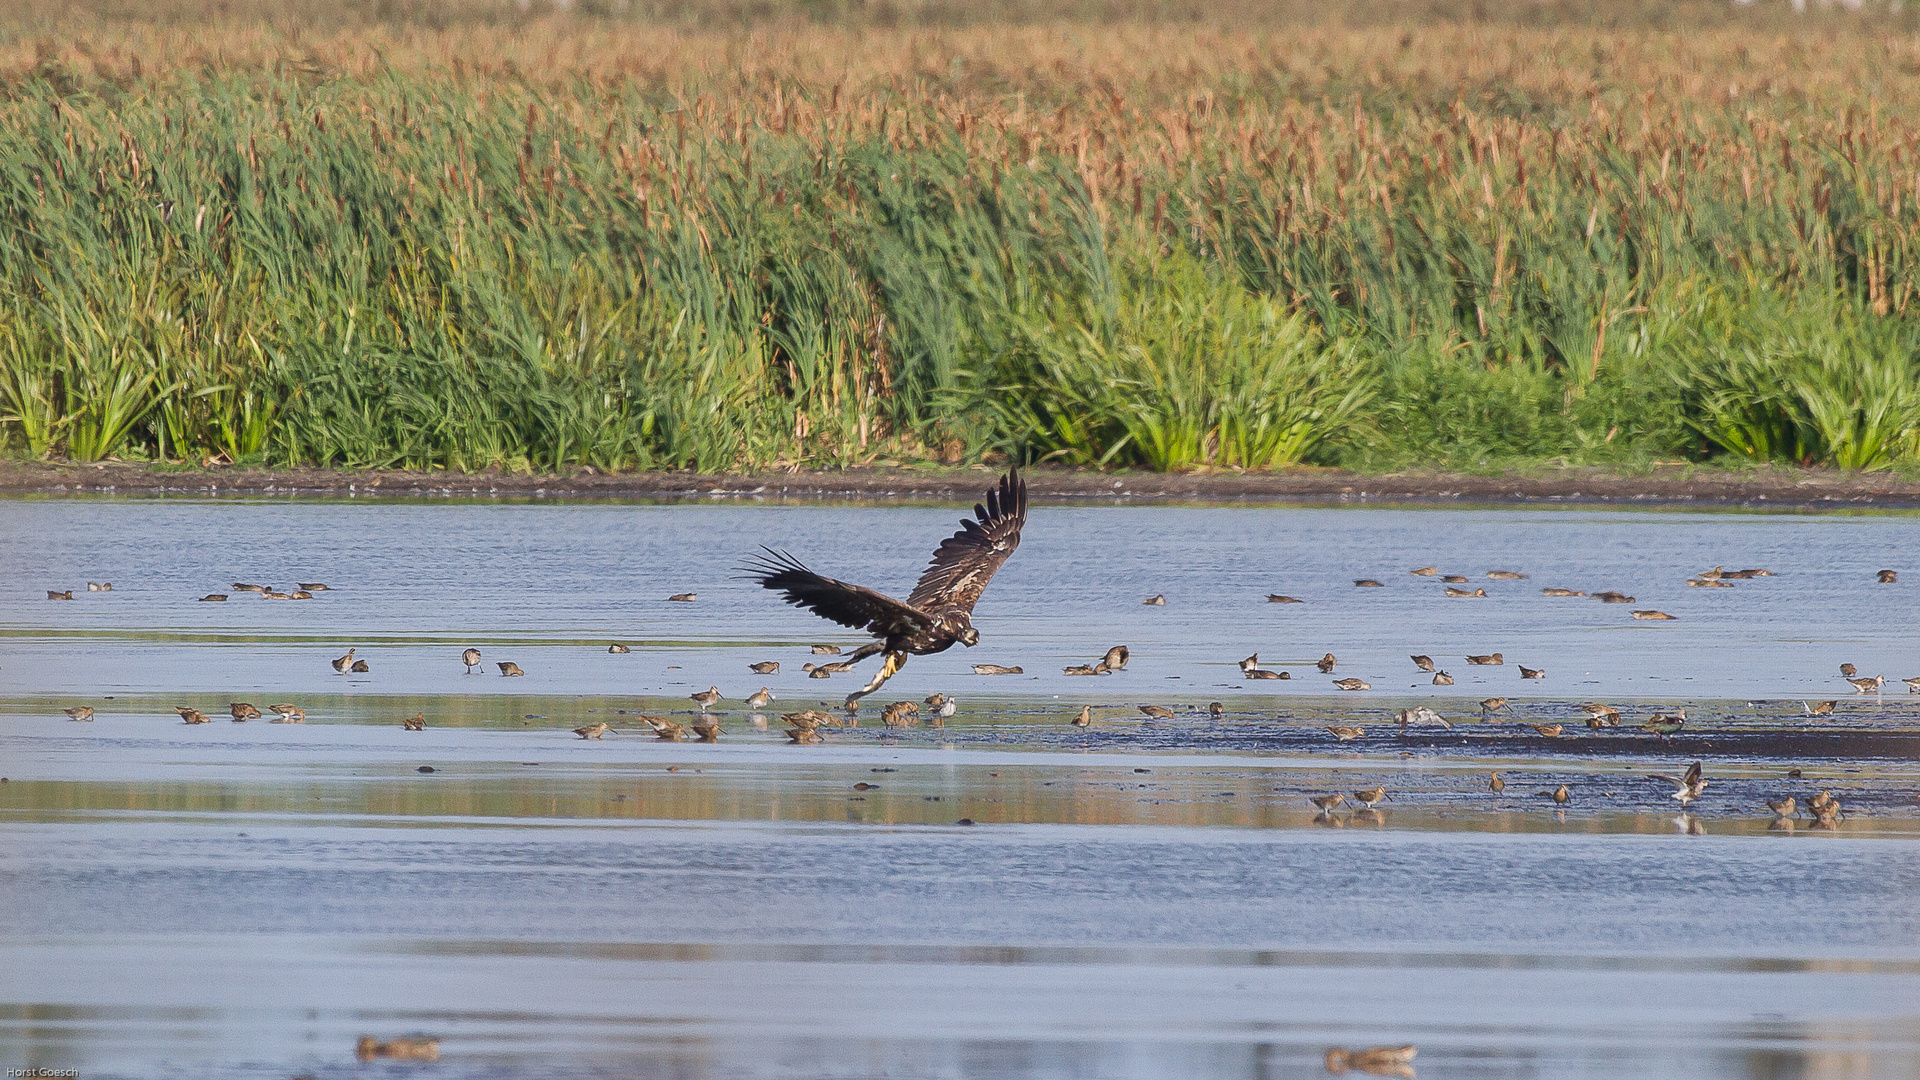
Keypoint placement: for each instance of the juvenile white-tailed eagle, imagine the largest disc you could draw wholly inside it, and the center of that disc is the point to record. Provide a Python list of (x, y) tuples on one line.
[(940, 610)]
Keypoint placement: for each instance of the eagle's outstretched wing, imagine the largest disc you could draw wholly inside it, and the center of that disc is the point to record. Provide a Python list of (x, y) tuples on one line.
[(849, 605), (965, 561)]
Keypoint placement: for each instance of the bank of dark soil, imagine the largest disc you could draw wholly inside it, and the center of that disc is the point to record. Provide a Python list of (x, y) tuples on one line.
[(1670, 485)]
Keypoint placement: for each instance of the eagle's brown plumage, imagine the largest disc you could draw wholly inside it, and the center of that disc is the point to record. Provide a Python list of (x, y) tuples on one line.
[(939, 612)]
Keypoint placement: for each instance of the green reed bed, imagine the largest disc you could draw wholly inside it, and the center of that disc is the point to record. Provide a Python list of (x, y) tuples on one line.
[(1183, 248)]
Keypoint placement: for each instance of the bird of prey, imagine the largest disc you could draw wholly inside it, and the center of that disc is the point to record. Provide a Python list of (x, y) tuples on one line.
[(938, 613)]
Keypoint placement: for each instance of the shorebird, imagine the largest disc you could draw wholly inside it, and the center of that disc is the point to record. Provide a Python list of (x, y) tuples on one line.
[(1425, 571), (1819, 708), (684, 598), (1368, 583), (1215, 708), (345, 663), (707, 698), (1156, 600), (811, 718), (664, 728), (1495, 784), (826, 650), (1084, 717), (760, 698), (1782, 807), (1650, 615), (1913, 684), (1611, 597), (1250, 662), (1116, 658), (1887, 577), (900, 714), (1532, 672), (359, 668), (765, 667), (1868, 686), (1370, 797), (509, 669), (1820, 801), (192, 716), (1506, 575), (241, 586), (301, 594), (1561, 795), (1599, 715), (67, 595), (416, 722), (271, 594), (1709, 583), (1561, 592), (1352, 684), (242, 711), (370, 1048), (707, 729), (618, 649), (1424, 663), (313, 586), (214, 598), (1493, 703), (1686, 788), (818, 672), (1451, 591), (102, 586), (1328, 803), (288, 714), (1666, 725), (79, 712), (1157, 712), (1828, 816), (1326, 664), (1551, 731), (996, 669), (1441, 678), (1276, 598), (1848, 671), (1489, 660), (1455, 579), (1263, 673), (1080, 669), (471, 658), (1345, 733)]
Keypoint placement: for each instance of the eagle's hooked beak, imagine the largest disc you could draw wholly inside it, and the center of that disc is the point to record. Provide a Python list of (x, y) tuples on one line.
[(970, 637)]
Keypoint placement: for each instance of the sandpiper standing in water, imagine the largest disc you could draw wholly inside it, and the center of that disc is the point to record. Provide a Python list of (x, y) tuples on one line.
[(471, 658), (345, 663)]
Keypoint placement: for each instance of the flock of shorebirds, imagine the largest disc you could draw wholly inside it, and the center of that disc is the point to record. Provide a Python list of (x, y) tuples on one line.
[(811, 725)]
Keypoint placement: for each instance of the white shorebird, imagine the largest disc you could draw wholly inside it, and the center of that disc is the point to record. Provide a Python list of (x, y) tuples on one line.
[(1685, 788)]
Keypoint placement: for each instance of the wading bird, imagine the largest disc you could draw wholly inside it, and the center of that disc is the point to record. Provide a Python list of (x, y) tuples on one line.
[(1116, 658), (345, 663), (618, 649), (1424, 663), (471, 658), (1686, 788), (289, 714), (760, 698), (79, 712), (508, 669), (938, 613), (765, 667), (1441, 678), (242, 711)]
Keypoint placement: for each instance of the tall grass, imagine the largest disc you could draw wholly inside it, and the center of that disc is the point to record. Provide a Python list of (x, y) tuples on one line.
[(465, 238)]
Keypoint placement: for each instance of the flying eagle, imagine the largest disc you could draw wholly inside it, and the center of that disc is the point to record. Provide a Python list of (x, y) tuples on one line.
[(940, 610)]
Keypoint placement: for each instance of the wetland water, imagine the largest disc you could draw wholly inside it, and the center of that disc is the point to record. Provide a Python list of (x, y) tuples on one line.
[(1141, 898)]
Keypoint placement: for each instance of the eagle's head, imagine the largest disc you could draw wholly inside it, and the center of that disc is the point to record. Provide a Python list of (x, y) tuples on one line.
[(969, 637)]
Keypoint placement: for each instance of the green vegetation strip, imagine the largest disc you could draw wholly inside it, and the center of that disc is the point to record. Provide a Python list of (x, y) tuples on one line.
[(1158, 245)]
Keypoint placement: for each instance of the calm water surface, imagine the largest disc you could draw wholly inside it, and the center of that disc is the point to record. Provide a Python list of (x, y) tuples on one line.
[(1140, 899)]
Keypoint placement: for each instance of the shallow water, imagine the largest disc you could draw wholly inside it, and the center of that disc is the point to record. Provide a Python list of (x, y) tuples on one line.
[(1142, 898)]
